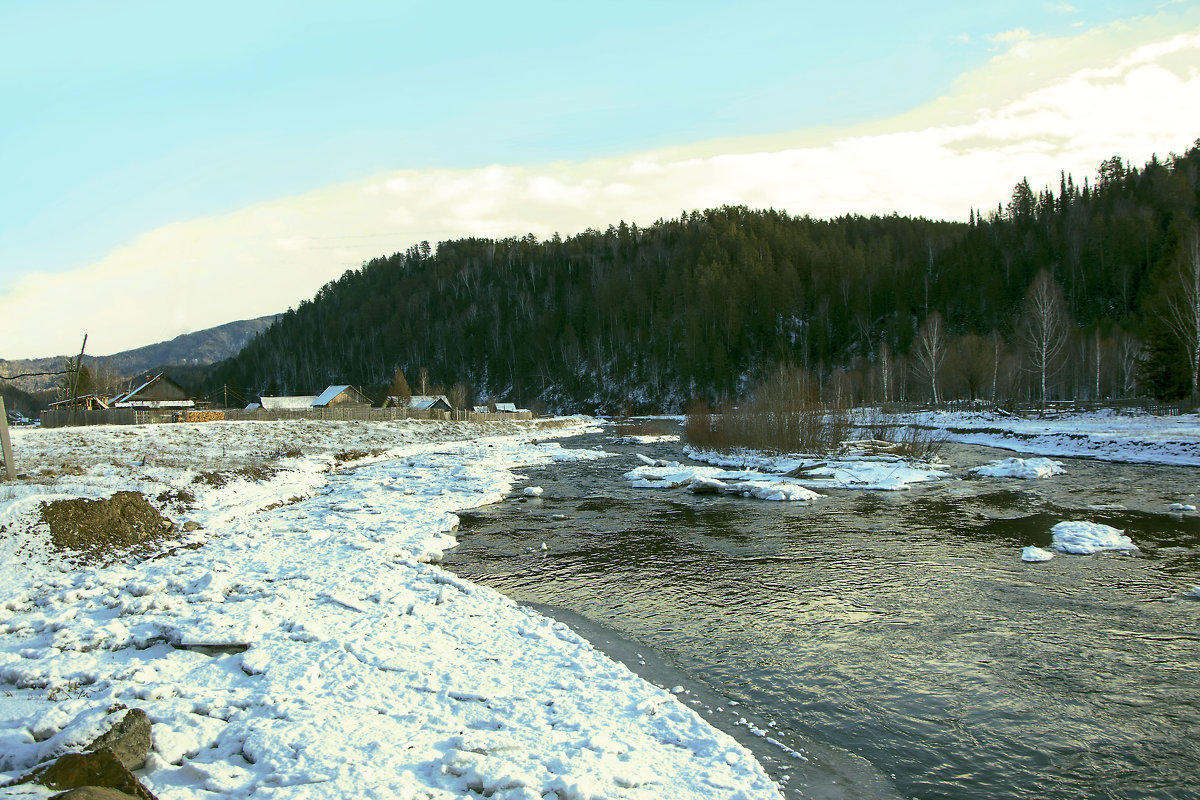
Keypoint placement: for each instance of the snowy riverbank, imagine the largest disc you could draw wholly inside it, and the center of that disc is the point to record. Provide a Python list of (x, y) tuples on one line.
[(300, 643), (1106, 435)]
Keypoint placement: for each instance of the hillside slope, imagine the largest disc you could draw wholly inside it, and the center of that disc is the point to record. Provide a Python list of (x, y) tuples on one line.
[(199, 348)]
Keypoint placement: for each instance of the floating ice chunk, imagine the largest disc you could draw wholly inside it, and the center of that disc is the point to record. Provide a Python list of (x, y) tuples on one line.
[(1181, 507), (702, 485), (532, 491), (1024, 468), (1035, 554), (1086, 538)]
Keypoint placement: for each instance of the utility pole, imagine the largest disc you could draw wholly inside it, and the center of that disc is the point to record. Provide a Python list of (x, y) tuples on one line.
[(5, 444), (75, 381)]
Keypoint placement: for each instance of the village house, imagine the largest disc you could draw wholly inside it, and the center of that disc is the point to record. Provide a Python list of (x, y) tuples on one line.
[(158, 392), (428, 402), (346, 396), (294, 403)]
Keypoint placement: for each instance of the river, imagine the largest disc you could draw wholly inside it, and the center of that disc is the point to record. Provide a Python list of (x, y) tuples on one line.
[(879, 644)]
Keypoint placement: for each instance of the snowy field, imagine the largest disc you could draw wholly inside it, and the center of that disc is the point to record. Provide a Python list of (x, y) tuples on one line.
[(1106, 435), (301, 642)]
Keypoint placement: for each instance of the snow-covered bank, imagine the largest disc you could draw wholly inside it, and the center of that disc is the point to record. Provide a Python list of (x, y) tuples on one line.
[(306, 647), (1105, 435)]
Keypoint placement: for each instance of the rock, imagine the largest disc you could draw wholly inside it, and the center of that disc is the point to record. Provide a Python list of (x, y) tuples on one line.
[(191, 525), (93, 793), (101, 769), (129, 739)]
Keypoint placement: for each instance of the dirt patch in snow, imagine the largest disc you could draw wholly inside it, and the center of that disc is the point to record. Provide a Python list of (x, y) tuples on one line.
[(96, 530), (224, 476)]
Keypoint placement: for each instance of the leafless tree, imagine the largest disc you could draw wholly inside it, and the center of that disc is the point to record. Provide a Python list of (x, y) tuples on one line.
[(1183, 302), (885, 357), (1045, 323), (930, 350), (1129, 353)]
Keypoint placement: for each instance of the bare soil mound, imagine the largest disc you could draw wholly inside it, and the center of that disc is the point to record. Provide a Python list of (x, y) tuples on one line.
[(100, 529)]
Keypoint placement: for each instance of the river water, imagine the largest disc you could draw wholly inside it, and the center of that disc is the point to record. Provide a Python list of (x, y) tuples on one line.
[(879, 644)]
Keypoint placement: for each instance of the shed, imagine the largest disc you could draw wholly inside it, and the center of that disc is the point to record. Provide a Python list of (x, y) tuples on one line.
[(158, 392), (341, 396), (506, 408), (88, 402)]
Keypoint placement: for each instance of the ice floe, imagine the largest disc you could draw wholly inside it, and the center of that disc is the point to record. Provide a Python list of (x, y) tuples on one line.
[(1085, 538), (711, 480), (1032, 553), (884, 472), (1024, 468)]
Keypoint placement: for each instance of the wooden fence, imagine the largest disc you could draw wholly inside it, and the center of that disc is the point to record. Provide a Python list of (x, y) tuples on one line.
[(60, 418)]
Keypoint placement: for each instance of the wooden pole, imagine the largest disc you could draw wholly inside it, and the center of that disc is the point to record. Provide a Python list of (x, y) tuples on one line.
[(5, 444), (75, 381)]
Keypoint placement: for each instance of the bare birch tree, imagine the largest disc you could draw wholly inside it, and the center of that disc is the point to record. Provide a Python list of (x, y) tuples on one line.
[(1044, 326), (1129, 353), (1183, 303), (931, 351)]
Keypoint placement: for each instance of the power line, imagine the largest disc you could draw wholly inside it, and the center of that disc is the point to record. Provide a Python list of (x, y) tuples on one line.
[(34, 374)]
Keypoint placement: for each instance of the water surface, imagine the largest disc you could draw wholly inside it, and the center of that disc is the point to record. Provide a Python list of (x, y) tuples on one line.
[(900, 627)]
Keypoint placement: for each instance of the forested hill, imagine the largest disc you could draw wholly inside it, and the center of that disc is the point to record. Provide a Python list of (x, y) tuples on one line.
[(702, 305)]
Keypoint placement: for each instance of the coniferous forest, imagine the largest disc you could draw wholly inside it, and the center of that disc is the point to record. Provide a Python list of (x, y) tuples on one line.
[(1077, 291)]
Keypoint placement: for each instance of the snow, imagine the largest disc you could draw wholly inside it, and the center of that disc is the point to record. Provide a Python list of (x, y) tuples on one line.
[(1107, 435), (1086, 538), (1023, 468), (1182, 508), (532, 491), (304, 643), (1035, 554), (883, 472), (645, 438), (711, 480)]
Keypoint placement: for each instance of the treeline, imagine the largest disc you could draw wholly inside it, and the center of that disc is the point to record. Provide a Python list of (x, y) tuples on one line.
[(704, 305)]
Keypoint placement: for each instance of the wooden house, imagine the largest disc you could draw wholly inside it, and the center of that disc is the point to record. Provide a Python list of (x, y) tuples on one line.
[(157, 392), (429, 402), (346, 396)]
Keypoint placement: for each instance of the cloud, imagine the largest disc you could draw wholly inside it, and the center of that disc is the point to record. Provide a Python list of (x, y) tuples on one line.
[(1011, 37), (1039, 107)]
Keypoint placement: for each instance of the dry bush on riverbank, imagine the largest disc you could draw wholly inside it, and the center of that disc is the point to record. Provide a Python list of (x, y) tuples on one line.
[(785, 415), (910, 441)]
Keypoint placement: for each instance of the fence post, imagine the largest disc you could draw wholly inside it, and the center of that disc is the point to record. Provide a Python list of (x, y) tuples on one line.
[(5, 444)]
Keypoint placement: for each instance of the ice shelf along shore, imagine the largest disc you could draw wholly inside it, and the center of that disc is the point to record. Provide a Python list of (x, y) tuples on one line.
[(302, 642)]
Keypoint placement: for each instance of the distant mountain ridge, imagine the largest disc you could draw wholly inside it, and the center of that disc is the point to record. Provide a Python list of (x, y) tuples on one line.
[(191, 349)]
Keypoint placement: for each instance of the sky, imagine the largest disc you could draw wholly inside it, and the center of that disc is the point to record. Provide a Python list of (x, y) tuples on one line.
[(168, 167)]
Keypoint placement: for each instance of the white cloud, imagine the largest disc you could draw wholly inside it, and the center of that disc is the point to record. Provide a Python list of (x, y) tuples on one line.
[(1040, 107), (1011, 37)]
